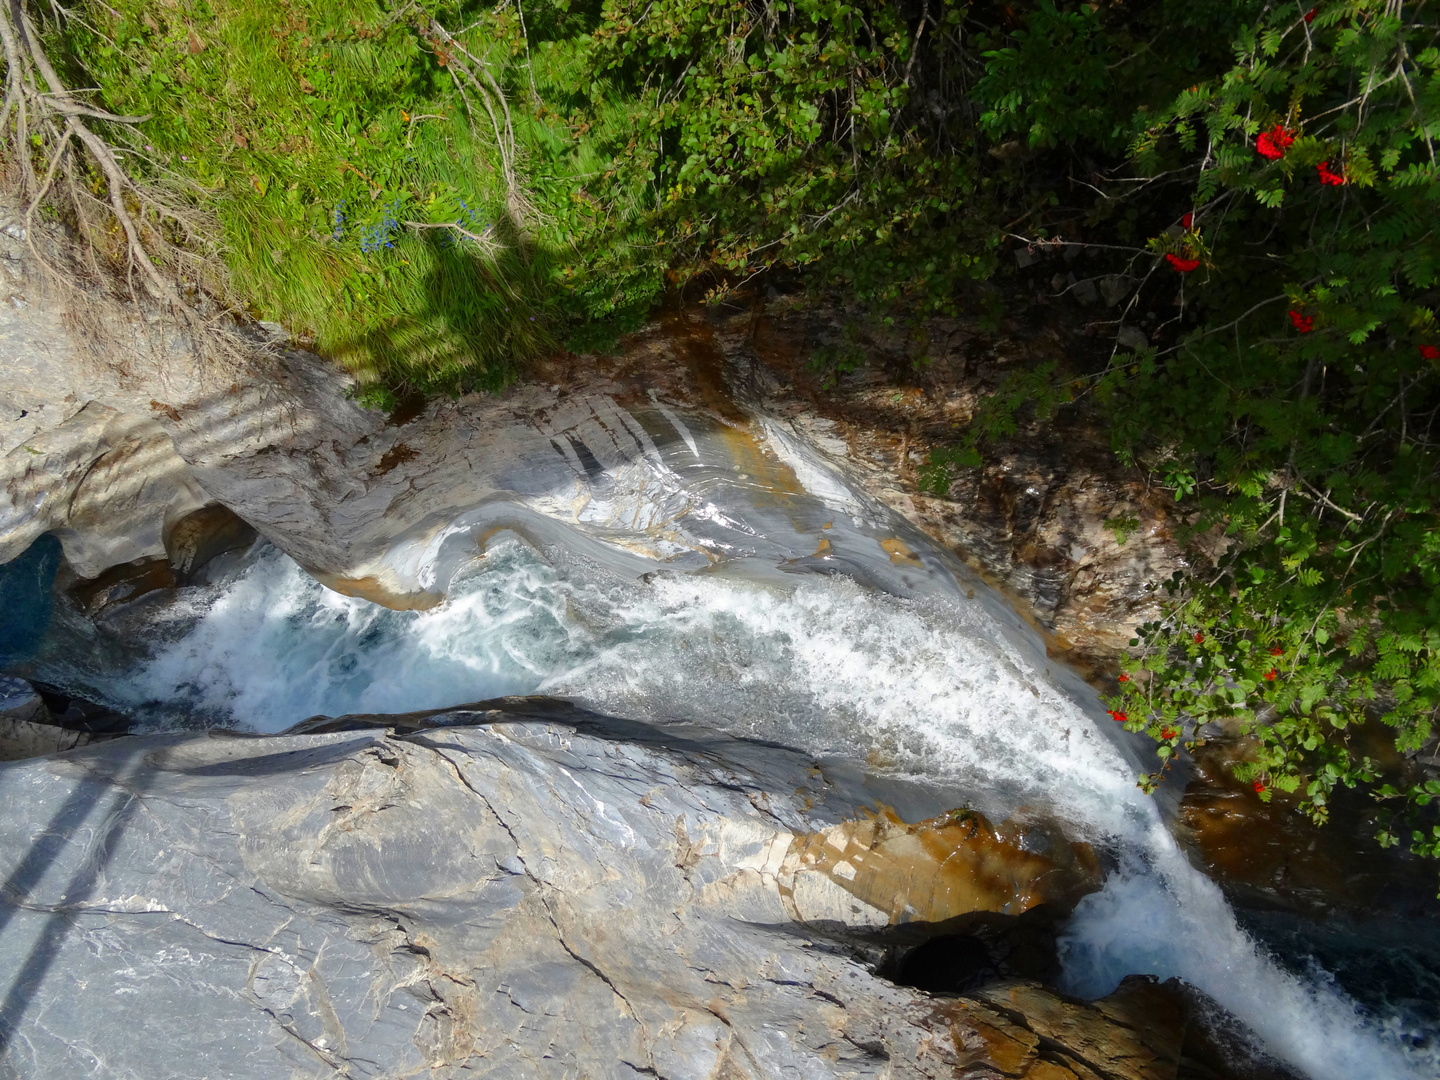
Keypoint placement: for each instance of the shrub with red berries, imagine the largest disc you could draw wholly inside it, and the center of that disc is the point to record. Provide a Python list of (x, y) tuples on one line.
[(1287, 395), (1273, 143), (1296, 421)]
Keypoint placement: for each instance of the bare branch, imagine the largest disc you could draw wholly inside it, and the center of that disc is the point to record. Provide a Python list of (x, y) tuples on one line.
[(485, 239), (69, 108)]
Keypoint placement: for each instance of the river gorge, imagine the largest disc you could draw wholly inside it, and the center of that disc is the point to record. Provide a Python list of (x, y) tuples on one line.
[(620, 724)]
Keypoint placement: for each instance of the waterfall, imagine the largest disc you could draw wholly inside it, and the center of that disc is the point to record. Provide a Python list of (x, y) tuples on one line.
[(921, 687), (690, 574)]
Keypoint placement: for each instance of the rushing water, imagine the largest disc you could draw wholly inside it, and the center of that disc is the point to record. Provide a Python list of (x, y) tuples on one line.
[(804, 614), (922, 687)]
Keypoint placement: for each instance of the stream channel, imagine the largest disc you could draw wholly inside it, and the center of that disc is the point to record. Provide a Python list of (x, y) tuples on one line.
[(748, 587)]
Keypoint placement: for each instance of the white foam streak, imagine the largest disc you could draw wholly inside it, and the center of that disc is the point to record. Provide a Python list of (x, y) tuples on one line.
[(275, 648), (1168, 920)]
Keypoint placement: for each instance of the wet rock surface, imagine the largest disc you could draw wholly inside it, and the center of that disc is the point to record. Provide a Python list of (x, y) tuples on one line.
[(487, 892), (1032, 518), (1270, 857)]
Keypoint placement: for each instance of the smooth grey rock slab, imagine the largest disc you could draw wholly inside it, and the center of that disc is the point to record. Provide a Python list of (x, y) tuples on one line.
[(521, 899)]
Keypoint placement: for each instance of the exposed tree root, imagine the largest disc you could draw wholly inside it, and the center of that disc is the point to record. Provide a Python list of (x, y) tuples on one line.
[(480, 79), (133, 229)]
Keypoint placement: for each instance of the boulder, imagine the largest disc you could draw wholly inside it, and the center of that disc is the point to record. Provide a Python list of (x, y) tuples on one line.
[(489, 894)]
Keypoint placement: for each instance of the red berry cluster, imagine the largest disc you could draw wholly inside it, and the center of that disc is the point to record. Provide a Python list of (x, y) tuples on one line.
[(1273, 143)]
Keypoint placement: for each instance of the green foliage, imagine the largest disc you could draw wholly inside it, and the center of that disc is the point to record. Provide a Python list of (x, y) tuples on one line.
[(434, 193), (1028, 389), (789, 134), (1122, 527), (1295, 414), (336, 155), (834, 361), (1076, 74), (1280, 195)]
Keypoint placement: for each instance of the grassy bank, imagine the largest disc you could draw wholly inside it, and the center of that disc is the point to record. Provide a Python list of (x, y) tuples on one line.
[(432, 194)]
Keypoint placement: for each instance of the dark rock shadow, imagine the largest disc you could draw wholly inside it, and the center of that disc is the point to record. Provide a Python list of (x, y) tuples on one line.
[(74, 818)]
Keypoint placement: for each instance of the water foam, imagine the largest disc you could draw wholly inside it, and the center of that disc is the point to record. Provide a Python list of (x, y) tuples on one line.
[(274, 647), (823, 664), (1160, 916)]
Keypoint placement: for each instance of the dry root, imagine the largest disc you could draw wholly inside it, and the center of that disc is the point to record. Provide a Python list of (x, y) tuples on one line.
[(476, 73), (146, 234)]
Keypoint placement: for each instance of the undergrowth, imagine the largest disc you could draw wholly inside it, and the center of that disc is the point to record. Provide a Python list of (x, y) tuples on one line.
[(433, 193)]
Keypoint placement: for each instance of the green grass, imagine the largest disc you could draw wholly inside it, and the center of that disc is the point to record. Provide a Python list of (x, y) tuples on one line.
[(644, 142), (315, 130)]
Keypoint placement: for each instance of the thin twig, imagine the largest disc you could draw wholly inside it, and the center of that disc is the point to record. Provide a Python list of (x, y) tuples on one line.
[(485, 239)]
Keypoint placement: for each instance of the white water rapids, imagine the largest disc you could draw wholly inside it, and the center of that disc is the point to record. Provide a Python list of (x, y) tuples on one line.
[(925, 688)]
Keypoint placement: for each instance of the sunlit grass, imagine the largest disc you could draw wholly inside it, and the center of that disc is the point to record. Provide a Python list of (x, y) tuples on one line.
[(327, 135)]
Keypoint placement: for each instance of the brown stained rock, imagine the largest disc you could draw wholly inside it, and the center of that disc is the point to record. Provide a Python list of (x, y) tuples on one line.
[(1145, 1030), (1031, 1033), (1135, 1034), (1031, 519), (203, 535), (899, 552), (190, 543), (992, 1040), (118, 584), (378, 592), (944, 868), (1269, 855), (397, 455)]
